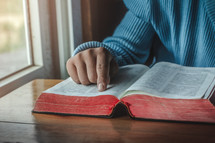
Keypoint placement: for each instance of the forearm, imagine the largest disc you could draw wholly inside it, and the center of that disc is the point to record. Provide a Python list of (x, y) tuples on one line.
[(130, 43)]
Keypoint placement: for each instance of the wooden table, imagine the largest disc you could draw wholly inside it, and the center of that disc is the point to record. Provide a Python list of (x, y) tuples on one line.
[(19, 124)]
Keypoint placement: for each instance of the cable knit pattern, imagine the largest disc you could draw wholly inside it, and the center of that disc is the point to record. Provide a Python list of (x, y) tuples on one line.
[(179, 31)]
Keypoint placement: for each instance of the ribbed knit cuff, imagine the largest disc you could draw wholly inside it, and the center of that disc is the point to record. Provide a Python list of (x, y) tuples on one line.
[(96, 44)]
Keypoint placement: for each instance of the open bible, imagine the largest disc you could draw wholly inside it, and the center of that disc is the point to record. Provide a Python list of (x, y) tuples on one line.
[(164, 92)]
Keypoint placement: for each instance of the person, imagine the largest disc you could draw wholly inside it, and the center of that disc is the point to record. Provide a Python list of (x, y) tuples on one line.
[(178, 31)]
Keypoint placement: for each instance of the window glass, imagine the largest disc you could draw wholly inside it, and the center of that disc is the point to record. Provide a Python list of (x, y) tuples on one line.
[(14, 52)]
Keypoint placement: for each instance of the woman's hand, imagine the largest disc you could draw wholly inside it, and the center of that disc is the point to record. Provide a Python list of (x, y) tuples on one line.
[(94, 65)]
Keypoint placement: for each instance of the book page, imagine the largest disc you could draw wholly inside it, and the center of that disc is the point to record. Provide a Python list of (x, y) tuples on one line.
[(126, 76), (210, 91), (174, 81)]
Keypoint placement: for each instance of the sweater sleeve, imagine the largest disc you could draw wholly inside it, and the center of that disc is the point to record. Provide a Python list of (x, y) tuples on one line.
[(130, 42)]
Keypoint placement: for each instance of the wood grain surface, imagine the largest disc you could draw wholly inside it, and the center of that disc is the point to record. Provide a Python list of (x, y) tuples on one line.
[(19, 124)]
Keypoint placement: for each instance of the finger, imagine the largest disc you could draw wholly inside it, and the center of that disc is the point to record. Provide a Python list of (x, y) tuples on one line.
[(91, 69), (102, 69), (82, 73), (72, 71)]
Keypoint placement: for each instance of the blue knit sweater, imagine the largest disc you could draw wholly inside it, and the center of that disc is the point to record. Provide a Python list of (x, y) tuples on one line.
[(178, 31)]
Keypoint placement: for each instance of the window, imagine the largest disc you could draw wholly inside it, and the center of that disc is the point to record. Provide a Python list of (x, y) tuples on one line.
[(36, 39), (15, 53), (28, 45)]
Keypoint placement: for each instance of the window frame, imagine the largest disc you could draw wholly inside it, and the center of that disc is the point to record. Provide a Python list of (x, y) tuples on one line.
[(69, 26)]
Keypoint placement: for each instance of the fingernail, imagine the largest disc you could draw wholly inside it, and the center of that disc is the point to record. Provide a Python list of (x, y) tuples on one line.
[(101, 87)]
